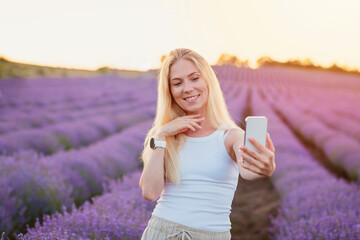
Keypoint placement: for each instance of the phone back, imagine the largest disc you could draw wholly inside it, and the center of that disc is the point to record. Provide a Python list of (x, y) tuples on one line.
[(256, 127)]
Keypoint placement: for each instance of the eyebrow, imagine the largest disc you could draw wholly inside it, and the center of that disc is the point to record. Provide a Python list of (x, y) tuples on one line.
[(187, 76)]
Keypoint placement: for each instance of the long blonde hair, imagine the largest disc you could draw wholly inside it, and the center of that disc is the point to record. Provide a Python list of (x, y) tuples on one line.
[(167, 109)]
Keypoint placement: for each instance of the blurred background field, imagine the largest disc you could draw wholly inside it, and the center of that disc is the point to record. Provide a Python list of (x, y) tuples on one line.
[(75, 107), (71, 146)]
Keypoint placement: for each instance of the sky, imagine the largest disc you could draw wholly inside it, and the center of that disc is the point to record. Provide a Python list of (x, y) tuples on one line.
[(134, 34)]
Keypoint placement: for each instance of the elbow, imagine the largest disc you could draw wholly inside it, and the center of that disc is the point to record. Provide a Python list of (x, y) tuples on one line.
[(252, 177), (148, 195), (149, 191), (245, 177)]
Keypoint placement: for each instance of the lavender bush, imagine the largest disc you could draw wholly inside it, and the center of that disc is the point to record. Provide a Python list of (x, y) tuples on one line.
[(72, 177), (120, 213), (30, 189), (315, 204)]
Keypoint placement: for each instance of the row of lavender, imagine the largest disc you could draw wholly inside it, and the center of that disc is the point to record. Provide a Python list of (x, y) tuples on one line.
[(39, 118), (33, 184), (121, 213), (340, 147), (337, 135), (324, 115), (120, 96), (68, 135), (35, 93), (315, 204)]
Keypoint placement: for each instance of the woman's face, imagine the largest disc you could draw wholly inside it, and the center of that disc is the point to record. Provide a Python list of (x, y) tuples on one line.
[(188, 87)]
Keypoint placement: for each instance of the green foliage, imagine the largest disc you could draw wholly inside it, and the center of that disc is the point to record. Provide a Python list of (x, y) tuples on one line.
[(64, 141), (1, 70), (103, 70), (40, 71), (2, 60)]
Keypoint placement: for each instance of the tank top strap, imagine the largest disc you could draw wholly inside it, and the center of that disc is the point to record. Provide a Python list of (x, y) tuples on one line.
[(228, 131)]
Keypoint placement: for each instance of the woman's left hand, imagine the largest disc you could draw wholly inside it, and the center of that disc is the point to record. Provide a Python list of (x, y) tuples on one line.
[(262, 163)]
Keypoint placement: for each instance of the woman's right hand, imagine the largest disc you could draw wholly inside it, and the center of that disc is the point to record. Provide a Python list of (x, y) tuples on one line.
[(178, 125)]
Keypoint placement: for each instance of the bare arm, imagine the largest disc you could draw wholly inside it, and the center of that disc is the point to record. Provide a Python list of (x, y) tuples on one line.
[(237, 139), (152, 178)]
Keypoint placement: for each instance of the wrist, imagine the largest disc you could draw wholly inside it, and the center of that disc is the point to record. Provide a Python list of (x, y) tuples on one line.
[(157, 141), (160, 136)]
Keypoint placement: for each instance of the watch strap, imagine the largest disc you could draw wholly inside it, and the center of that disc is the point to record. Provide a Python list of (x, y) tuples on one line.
[(160, 143)]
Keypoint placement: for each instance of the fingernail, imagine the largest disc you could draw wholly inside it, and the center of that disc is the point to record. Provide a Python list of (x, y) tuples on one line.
[(251, 138), (242, 147)]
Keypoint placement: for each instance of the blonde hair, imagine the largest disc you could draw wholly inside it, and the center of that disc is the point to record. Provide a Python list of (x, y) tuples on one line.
[(167, 109)]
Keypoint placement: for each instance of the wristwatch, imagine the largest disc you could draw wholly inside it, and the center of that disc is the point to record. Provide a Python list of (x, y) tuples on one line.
[(157, 143)]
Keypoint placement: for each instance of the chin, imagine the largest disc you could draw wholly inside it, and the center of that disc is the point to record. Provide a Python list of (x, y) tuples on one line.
[(192, 110)]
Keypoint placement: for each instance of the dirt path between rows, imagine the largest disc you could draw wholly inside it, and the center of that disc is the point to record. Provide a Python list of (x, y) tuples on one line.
[(253, 202)]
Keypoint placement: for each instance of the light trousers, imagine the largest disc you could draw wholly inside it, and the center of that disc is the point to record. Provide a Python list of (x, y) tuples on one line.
[(163, 229)]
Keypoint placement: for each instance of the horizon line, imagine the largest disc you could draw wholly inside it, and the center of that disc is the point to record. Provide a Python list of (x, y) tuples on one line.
[(345, 67)]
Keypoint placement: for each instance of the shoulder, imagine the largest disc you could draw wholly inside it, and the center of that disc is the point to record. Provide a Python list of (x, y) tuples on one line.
[(234, 134)]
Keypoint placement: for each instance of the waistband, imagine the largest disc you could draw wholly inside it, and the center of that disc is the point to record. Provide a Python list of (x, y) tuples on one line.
[(167, 226)]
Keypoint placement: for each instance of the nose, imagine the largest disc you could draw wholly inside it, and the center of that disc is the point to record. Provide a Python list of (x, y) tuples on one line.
[(188, 87)]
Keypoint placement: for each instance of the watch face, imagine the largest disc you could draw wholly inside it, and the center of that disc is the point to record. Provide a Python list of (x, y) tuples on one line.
[(152, 143)]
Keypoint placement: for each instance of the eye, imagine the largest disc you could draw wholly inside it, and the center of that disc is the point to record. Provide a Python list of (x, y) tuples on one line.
[(195, 78), (176, 84)]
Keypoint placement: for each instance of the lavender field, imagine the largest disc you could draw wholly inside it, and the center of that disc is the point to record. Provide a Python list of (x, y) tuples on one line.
[(69, 154)]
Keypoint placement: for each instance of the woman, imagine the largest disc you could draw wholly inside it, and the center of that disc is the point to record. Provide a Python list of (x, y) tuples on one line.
[(190, 155)]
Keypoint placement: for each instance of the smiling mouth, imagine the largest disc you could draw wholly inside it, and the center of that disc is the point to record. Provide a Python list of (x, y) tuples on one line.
[(193, 98)]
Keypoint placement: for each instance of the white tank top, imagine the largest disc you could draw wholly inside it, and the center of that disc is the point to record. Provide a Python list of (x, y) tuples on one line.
[(209, 178)]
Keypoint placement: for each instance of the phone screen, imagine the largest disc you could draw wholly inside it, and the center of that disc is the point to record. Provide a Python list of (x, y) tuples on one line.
[(256, 127)]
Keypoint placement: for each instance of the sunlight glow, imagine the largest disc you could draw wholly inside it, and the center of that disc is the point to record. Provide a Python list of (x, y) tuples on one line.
[(135, 34)]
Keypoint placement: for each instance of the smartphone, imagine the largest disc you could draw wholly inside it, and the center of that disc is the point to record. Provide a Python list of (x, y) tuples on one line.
[(256, 127)]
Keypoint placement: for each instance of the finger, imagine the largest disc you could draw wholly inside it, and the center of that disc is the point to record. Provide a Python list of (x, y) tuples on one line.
[(253, 161), (252, 153), (185, 129), (191, 127), (198, 119), (252, 165), (195, 124), (252, 168), (258, 145), (269, 143)]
